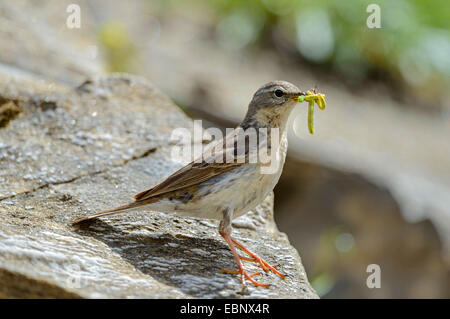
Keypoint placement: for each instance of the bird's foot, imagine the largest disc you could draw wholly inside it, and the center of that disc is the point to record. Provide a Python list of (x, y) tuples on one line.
[(262, 263), (241, 271), (255, 258)]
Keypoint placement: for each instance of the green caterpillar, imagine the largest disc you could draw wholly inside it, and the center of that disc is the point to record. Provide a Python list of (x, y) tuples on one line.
[(311, 98)]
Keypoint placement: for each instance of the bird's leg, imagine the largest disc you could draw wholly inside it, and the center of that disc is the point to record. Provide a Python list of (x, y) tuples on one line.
[(225, 231)]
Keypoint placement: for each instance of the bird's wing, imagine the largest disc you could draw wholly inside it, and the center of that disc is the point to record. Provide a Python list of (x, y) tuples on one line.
[(197, 172)]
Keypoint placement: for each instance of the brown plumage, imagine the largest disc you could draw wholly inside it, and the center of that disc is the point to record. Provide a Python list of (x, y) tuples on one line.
[(190, 175)]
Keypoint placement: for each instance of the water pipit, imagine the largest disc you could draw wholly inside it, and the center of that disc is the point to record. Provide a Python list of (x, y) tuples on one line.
[(229, 179)]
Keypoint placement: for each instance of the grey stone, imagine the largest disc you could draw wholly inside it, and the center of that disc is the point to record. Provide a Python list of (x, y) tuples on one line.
[(70, 152)]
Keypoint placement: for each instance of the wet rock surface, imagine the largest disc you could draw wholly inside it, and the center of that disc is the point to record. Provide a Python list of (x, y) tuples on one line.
[(70, 152)]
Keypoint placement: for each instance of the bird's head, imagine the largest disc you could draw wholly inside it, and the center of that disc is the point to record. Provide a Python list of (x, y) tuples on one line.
[(272, 103)]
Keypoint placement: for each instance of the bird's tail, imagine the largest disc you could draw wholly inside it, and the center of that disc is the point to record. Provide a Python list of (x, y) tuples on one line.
[(111, 211)]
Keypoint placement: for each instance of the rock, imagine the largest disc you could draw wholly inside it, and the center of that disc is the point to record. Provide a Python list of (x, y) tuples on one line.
[(70, 152)]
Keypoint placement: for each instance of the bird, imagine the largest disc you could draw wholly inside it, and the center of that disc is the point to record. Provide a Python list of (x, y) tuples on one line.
[(226, 181)]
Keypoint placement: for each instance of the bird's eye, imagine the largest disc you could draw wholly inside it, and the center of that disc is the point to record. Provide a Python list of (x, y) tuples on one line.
[(278, 93)]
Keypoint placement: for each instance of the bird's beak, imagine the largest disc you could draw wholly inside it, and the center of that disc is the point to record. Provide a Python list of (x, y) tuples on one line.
[(296, 95)]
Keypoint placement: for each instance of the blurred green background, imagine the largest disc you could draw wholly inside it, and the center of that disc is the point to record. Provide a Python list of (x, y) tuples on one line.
[(409, 52)]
